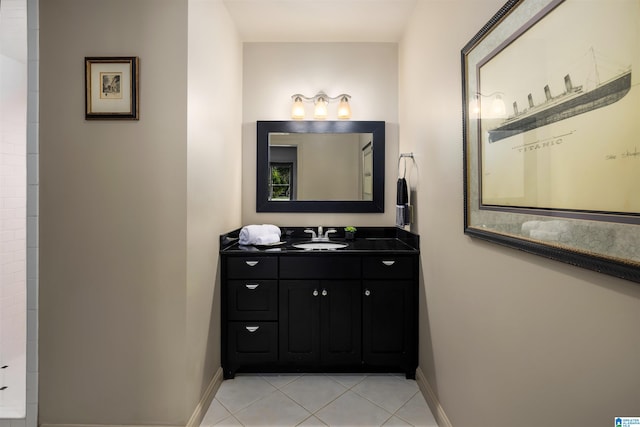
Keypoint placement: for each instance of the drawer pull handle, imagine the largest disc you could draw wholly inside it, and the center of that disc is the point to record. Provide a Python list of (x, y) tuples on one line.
[(252, 263), (324, 293), (388, 263), (367, 292), (252, 286), (252, 328), (315, 292)]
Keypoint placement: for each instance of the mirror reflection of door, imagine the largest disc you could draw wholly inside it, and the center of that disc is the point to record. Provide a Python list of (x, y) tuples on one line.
[(367, 172), (283, 169)]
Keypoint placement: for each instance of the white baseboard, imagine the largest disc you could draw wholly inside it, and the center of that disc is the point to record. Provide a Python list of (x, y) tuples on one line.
[(195, 419), (205, 401), (436, 409)]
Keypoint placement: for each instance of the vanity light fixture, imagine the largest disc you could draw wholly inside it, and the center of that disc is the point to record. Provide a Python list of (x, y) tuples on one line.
[(321, 102), (497, 109)]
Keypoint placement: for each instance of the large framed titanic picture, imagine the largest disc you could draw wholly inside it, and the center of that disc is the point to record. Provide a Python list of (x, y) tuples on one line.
[(551, 102)]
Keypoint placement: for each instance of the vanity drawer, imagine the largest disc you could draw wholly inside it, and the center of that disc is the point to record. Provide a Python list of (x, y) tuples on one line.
[(252, 300), (252, 342), (388, 267), (320, 267), (258, 267)]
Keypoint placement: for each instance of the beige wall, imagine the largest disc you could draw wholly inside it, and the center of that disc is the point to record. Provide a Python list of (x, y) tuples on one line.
[(275, 71), (129, 221), (506, 338), (214, 176)]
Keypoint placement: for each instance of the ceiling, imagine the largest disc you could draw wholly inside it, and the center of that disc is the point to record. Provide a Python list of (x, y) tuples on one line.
[(320, 20), (269, 21)]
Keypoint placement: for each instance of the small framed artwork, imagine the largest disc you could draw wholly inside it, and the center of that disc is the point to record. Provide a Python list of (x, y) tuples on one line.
[(111, 88)]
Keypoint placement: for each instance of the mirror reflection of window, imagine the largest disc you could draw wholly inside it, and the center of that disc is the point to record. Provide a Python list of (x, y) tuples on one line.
[(284, 158), (281, 181)]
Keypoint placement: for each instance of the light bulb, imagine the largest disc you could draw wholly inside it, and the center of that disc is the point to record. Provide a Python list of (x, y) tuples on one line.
[(320, 111), (344, 110), (297, 111)]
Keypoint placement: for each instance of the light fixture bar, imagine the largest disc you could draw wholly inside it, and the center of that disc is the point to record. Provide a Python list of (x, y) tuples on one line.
[(320, 101)]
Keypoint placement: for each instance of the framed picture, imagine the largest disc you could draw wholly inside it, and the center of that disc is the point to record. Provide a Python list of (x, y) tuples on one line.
[(551, 118), (111, 88)]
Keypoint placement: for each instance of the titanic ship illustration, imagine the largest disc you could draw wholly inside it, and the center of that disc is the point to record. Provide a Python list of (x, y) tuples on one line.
[(572, 102)]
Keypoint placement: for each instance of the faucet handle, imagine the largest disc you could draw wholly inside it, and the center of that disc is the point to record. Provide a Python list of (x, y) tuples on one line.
[(329, 231), (313, 233)]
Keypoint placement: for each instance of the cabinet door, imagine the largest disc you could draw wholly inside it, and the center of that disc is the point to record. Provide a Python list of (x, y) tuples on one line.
[(299, 321), (341, 322), (388, 329)]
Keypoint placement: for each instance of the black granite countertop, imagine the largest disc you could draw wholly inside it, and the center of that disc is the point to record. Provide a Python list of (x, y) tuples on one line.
[(368, 239)]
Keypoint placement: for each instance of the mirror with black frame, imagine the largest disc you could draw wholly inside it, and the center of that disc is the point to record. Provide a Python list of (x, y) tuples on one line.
[(320, 166)]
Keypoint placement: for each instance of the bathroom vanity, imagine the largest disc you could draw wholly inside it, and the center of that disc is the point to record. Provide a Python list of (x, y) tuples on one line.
[(352, 309)]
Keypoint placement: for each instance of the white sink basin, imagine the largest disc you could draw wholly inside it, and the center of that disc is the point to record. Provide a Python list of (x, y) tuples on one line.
[(320, 245)]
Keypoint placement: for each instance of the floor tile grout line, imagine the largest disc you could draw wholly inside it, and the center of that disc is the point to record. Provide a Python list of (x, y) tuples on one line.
[(313, 414), (264, 397), (386, 410), (269, 394), (291, 399), (222, 404), (227, 418), (329, 403), (324, 406), (251, 403), (297, 377), (347, 389), (405, 404)]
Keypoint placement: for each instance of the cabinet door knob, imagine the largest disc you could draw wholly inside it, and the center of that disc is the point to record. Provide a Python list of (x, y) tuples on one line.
[(324, 293), (315, 292), (252, 328), (252, 286), (388, 263), (252, 263), (367, 292)]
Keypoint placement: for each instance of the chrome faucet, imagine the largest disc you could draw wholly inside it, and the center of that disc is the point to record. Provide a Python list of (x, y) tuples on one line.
[(320, 237), (314, 237)]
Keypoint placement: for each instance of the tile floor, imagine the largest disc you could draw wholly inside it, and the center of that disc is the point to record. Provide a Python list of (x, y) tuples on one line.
[(319, 400)]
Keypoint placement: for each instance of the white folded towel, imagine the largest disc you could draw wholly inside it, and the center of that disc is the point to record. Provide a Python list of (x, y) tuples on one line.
[(259, 234)]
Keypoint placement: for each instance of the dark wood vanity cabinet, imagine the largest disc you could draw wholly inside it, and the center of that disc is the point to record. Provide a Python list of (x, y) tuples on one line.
[(320, 322), (320, 309), (325, 312)]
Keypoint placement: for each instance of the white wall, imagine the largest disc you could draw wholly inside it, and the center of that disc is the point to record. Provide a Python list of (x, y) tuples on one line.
[(13, 233), (275, 71), (506, 338)]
